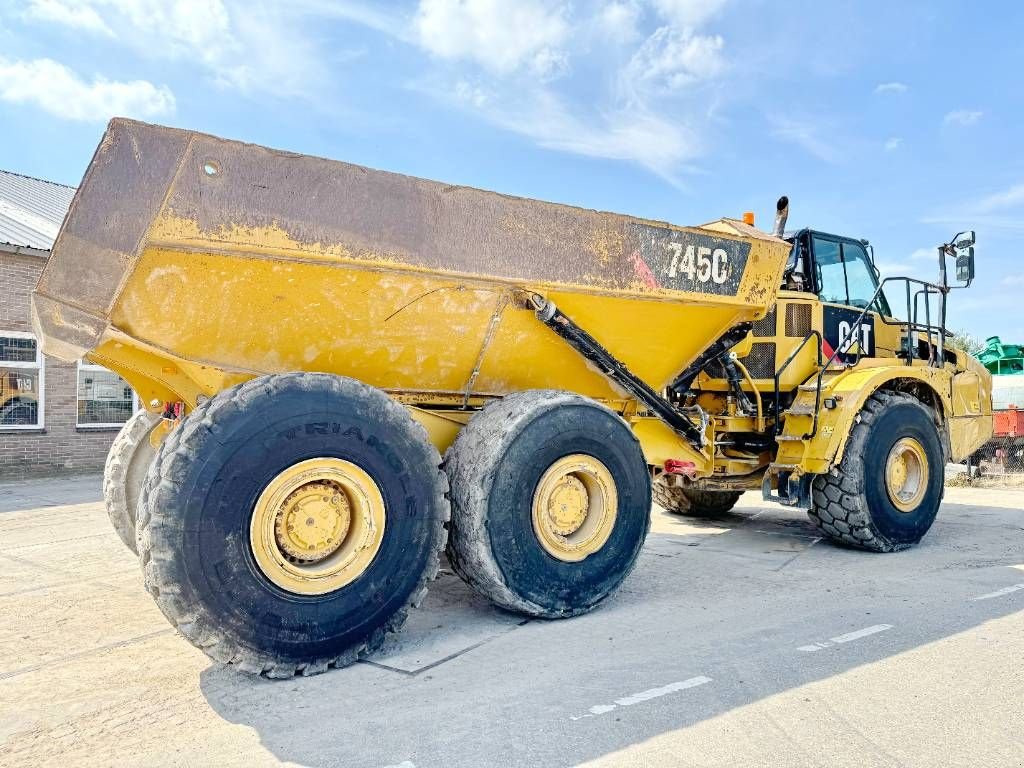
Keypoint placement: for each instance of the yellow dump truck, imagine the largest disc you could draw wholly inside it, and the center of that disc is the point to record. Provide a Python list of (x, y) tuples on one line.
[(311, 337)]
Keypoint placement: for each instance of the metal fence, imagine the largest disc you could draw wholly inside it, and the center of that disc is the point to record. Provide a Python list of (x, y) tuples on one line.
[(1002, 455)]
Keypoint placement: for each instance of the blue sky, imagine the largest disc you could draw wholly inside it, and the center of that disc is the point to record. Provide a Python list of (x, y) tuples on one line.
[(900, 122)]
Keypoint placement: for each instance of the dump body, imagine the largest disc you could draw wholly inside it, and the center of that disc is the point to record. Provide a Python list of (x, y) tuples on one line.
[(188, 263)]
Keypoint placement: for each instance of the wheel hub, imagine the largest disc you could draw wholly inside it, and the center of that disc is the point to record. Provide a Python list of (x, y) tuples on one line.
[(574, 507), (317, 526), (313, 521), (906, 474), (568, 505)]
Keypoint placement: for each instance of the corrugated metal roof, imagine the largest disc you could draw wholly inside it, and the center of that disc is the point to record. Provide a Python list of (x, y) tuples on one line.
[(31, 210)]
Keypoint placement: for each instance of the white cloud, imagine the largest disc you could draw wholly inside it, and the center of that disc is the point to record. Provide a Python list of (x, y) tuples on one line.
[(70, 14), (500, 35), (61, 92), (1013, 280), (892, 144), (470, 94), (380, 17), (924, 254), (893, 87), (688, 13), (518, 45), (248, 46), (962, 117), (194, 27), (1003, 210), (1000, 201), (805, 134), (634, 135), (618, 20), (672, 58)]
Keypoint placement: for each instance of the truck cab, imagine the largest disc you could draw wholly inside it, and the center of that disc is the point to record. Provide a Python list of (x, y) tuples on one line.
[(840, 272)]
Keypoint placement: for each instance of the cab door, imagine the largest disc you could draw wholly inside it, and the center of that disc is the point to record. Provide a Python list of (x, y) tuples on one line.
[(845, 281)]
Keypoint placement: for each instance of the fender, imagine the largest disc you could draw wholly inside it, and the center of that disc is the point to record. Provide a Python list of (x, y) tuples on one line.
[(852, 388)]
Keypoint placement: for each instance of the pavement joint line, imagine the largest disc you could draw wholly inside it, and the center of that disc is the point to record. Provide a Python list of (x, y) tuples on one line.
[(642, 696), (56, 584), (999, 592), (54, 541), (797, 554), (810, 536), (439, 662), (82, 654), (846, 638), (38, 566), (98, 581)]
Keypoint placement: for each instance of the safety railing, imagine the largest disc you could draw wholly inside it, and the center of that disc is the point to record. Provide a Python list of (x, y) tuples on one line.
[(936, 351), (782, 369)]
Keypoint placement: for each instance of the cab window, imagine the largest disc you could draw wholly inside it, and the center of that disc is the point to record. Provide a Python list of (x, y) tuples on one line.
[(845, 275)]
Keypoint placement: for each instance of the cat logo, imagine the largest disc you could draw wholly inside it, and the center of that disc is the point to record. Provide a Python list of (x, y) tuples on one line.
[(845, 335)]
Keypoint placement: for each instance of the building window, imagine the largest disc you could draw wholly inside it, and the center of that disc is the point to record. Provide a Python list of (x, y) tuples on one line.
[(21, 381), (104, 398)]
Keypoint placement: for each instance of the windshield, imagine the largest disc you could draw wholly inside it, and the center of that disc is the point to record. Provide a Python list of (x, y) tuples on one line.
[(845, 275)]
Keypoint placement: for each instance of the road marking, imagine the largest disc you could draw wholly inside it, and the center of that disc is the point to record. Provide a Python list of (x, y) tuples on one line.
[(999, 592), (650, 693), (848, 637), (403, 764)]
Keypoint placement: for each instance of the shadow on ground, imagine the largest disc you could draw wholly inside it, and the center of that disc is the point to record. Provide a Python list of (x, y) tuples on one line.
[(735, 601)]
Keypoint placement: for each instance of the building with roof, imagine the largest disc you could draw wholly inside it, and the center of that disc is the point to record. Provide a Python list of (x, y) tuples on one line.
[(54, 416)]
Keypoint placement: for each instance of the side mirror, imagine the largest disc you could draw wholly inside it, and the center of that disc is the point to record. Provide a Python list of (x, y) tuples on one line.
[(963, 240), (965, 263)]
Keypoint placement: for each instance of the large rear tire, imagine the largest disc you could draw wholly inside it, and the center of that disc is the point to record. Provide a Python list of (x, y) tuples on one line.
[(551, 503), (289, 523), (128, 461), (885, 492), (679, 500)]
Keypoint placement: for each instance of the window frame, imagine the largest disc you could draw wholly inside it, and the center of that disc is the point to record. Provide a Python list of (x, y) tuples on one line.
[(880, 306), (87, 366), (40, 366)]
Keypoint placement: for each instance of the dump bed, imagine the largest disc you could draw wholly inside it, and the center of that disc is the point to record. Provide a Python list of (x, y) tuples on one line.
[(189, 262)]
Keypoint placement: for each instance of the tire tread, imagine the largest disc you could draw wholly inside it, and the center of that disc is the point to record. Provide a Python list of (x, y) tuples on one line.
[(838, 503), (173, 461)]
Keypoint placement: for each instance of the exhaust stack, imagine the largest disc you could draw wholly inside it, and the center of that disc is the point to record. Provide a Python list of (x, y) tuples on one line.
[(781, 214)]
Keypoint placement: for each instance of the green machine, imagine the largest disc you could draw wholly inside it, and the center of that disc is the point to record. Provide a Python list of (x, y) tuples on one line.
[(1002, 358)]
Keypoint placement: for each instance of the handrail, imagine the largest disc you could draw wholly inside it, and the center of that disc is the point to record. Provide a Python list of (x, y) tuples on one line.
[(911, 325), (785, 365)]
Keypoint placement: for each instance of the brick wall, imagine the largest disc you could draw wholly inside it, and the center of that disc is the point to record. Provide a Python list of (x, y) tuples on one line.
[(59, 445)]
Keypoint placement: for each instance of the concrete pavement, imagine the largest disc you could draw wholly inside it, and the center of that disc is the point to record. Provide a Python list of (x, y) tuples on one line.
[(738, 641)]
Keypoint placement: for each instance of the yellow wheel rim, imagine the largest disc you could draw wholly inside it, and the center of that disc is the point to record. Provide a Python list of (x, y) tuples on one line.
[(906, 474), (574, 507), (317, 526)]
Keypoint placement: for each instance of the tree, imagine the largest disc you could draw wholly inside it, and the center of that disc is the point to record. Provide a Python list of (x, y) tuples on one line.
[(970, 344)]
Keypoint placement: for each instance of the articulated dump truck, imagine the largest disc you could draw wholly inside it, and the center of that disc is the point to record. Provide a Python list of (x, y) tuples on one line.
[(346, 372)]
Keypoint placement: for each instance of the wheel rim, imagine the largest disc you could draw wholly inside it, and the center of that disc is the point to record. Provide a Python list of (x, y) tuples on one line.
[(574, 507), (317, 526), (906, 474)]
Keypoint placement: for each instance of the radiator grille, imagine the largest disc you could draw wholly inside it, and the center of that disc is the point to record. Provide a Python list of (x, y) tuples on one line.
[(761, 361), (766, 325), (798, 320)]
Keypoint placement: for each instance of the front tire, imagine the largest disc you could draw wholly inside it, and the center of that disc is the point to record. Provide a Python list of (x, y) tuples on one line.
[(551, 503), (885, 492), (290, 522)]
